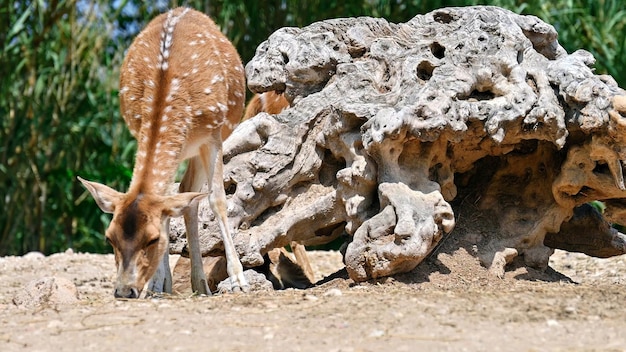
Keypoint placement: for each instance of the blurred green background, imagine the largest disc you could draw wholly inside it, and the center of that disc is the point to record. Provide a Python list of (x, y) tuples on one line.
[(59, 67)]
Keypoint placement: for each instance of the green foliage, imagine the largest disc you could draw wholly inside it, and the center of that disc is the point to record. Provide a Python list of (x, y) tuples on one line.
[(59, 119), (59, 109)]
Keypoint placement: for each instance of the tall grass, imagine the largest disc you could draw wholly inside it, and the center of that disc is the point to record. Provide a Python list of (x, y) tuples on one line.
[(58, 108)]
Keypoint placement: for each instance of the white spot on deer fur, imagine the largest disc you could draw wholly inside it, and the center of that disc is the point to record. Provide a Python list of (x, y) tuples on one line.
[(238, 68), (188, 108), (160, 184), (208, 90), (209, 62), (171, 152), (198, 112), (164, 66), (132, 98), (194, 71), (167, 109), (213, 108), (163, 129), (192, 43), (194, 56), (137, 116), (164, 118), (217, 78), (149, 98), (222, 107), (166, 54), (175, 84), (124, 90), (238, 94), (232, 102)]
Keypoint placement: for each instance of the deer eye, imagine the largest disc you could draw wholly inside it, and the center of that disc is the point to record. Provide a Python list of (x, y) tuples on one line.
[(153, 242)]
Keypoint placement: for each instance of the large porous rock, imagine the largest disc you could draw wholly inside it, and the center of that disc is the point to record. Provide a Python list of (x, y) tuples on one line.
[(394, 128)]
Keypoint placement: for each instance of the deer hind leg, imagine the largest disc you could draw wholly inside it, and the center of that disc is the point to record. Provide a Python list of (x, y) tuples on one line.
[(192, 182), (161, 281), (299, 251), (211, 155)]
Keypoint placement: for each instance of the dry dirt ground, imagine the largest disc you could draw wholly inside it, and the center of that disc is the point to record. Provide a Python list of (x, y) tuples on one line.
[(449, 303)]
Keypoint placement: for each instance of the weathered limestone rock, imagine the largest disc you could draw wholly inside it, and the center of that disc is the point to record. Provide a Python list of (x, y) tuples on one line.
[(49, 291), (391, 126)]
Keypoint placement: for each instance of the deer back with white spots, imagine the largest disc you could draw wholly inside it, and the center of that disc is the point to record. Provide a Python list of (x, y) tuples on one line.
[(181, 92)]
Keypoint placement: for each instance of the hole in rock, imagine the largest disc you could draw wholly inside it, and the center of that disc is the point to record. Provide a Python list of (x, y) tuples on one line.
[(544, 43), (530, 80), (437, 50), (230, 187), (330, 167), (478, 95), (425, 70), (356, 51), (443, 17)]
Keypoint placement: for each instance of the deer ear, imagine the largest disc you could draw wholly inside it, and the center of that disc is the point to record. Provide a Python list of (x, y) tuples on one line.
[(175, 205), (106, 197)]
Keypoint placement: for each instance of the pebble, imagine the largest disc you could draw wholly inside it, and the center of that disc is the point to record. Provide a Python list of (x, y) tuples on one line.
[(333, 292), (309, 297), (552, 323)]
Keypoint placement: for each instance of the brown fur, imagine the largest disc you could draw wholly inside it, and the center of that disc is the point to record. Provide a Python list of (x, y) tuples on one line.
[(269, 102), (181, 92)]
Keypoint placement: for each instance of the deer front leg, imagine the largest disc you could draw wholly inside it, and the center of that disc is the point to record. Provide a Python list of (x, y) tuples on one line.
[(161, 281), (192, 182), (212, 161)]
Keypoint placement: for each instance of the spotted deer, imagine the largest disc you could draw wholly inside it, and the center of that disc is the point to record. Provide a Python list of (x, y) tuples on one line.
[(181, 93)]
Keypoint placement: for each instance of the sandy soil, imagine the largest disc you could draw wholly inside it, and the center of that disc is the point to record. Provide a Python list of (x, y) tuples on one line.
[(449, 303)]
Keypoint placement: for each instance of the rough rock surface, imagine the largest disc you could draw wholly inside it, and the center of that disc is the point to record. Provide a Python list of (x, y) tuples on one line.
[(397, 131), (47, 291)]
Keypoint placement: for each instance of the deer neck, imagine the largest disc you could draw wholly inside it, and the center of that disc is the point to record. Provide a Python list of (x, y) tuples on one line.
[(158, 156)]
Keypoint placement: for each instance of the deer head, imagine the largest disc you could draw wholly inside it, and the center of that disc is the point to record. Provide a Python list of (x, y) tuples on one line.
[(137, 231)]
